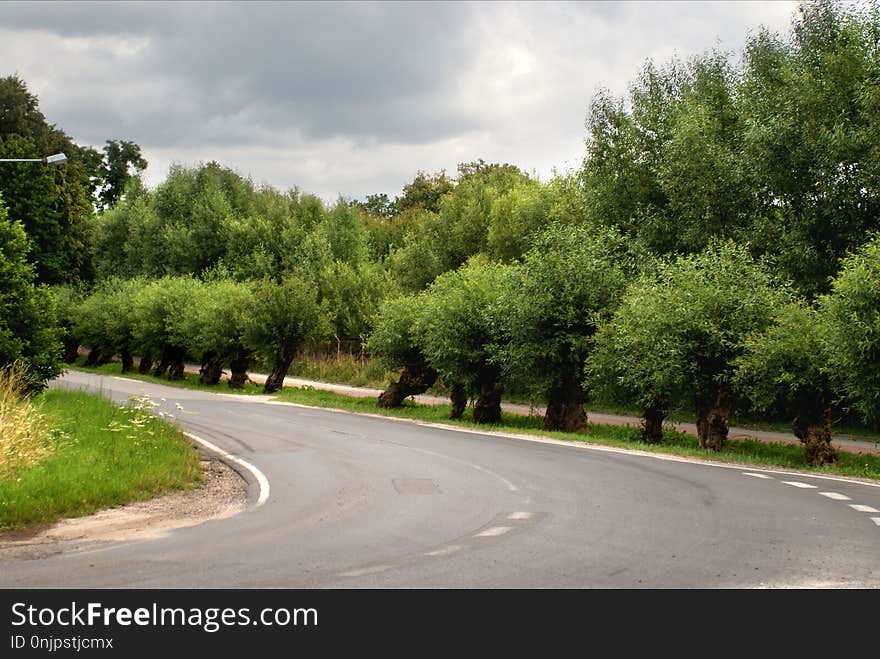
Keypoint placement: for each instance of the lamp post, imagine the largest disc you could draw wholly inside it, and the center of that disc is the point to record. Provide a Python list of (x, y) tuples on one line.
[(55, 159)]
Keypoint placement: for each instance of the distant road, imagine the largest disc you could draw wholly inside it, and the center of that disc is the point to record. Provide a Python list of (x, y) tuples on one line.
[(359, 501)]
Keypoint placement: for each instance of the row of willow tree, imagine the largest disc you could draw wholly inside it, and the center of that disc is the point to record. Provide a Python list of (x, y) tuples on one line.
[(715, 251)]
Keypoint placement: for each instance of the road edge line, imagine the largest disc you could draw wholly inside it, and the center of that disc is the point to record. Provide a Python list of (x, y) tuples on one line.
[(258, 475)]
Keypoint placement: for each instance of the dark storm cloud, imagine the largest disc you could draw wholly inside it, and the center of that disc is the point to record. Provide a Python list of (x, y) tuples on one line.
[(361, 69), (353, 97)]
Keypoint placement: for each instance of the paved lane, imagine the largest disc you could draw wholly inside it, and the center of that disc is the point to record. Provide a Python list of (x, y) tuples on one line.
[(360, 501)]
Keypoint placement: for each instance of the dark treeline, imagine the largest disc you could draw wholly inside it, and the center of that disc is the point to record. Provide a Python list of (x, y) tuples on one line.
[(717, 251)]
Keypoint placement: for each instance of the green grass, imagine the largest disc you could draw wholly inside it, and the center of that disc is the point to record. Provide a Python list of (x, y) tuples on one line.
[(191, 380), (754, 452), (104, 456), (745, 451)]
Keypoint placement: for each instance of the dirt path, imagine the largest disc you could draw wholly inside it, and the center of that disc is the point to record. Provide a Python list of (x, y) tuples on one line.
[(221, 494)]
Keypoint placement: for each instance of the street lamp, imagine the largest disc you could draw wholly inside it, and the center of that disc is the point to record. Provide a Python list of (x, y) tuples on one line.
[(55, 159)]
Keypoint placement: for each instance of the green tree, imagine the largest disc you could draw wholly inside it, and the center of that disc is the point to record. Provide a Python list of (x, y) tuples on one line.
[(394, 343), (28, 329), (809, 102), (851, 315), (285, 316), (455, 330), (680, 331), (121, 163), (784, 369), (550, 306), (51, 203)]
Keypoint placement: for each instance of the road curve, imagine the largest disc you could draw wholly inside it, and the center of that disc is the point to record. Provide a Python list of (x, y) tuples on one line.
[(361, 501)]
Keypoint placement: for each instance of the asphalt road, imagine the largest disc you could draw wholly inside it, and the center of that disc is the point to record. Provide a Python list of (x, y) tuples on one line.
[(358, 501)]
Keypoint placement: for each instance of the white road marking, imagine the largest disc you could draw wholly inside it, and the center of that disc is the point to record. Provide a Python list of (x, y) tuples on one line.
[(836, 496), (259, 475), (494, 531), (520, 515), (805, 486), (444, 551), (748, 473), (366, 570), (863, 508), (876, 520)]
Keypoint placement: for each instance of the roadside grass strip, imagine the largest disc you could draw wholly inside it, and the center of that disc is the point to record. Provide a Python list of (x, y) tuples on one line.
[(747, 452), (103, 456)]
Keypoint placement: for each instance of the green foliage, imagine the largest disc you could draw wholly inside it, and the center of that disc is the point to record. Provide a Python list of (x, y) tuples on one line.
[(851, 313), (454, 326), (52, 203), (156, 309), (393, 340), (352, 294), (551, 304), (785, 367), (678, 332), (120, 158), (28, 323), (215, 321), (285, 316)]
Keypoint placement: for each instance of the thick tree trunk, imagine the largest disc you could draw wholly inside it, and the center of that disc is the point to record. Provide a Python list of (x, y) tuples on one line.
[(164, 363), (127, 360), (713, 421), (211, 370), (813, 428), (414, 379), (105, 357), (238, 367), (145, 364), (93, 357), (71, 351), (177, 369), (652, 425), (565, 407), (459, 399), (487, 408), (275, 381)]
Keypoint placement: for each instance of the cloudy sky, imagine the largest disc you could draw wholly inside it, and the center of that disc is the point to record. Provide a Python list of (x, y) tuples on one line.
[(350, 98)]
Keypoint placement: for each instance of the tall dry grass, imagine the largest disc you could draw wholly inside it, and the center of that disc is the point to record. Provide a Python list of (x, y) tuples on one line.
[(25, 434)]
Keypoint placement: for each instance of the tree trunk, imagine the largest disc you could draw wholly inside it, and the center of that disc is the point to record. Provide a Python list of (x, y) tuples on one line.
[(487, 408), (565, 407), (414, 379), (177, 369), (459, 399), (211, 370), (713, 421), (275, 381), (813, 428), (127, 360), (105, 357), (652, 425), (145, 364), (71, 351), (238, 366), (164, 363), (93, 357)]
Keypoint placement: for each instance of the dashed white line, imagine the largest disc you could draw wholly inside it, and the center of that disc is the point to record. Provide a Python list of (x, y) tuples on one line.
[(520, 515), (836, 496), (876, 520), (444, 551), (863, 508), (805, 486), (493, 531), (366, 570), (765, 476)]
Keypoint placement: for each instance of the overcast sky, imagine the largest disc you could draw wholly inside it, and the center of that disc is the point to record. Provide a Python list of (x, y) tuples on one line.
[(350, 98)]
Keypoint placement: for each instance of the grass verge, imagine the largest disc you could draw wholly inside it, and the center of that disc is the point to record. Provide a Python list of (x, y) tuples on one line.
[(103, 456), (744, 451)]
